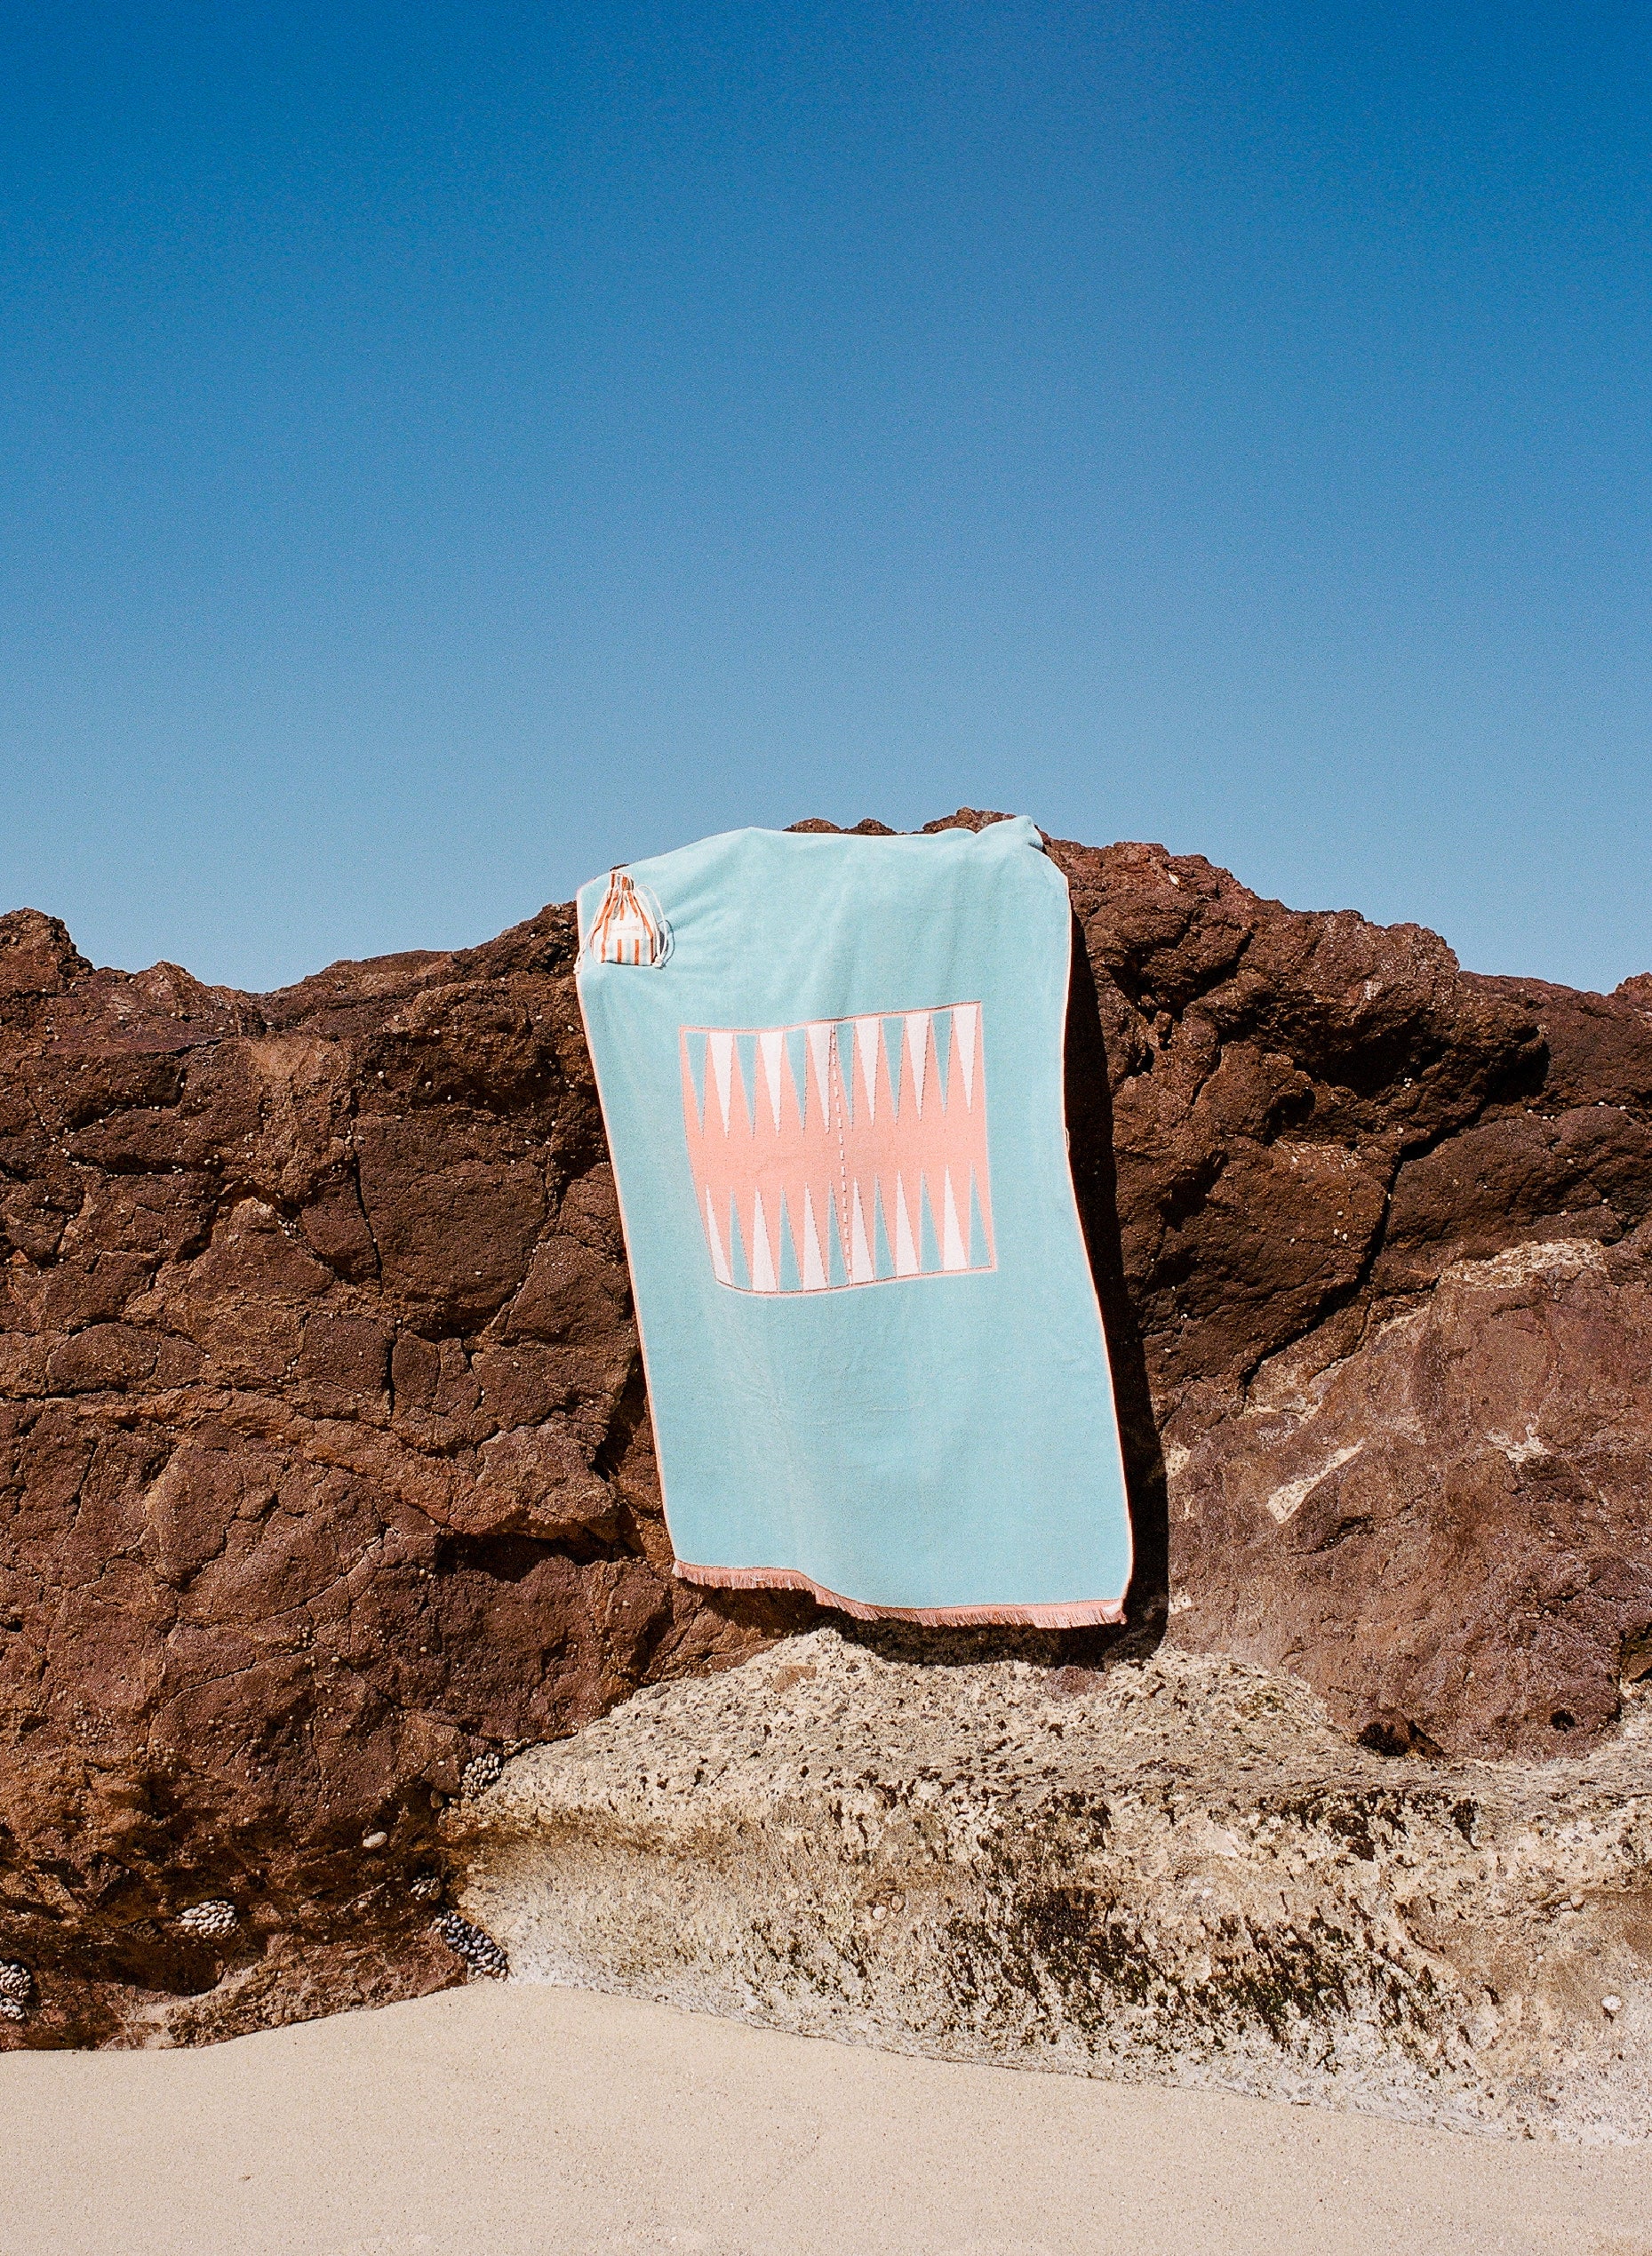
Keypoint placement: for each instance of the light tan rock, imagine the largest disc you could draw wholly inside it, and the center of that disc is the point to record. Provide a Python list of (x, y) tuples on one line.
[(1174, 1871)]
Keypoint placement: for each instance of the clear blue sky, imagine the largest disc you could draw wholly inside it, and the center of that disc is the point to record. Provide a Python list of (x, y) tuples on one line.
[(445, 449)]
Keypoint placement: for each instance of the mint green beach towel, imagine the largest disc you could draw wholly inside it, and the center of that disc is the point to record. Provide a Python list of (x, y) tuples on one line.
[(831, 1070)]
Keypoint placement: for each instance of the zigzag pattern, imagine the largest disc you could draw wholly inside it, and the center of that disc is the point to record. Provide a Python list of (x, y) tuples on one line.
[(842, 1151)]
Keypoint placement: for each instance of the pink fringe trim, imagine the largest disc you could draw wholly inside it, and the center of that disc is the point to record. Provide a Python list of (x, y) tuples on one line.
[(1081, 1614)]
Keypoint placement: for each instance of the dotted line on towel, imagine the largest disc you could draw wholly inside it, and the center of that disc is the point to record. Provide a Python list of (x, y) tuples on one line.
[(843, 1148)]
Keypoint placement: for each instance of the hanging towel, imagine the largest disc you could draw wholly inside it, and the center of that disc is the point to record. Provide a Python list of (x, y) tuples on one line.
[(831, 1073)]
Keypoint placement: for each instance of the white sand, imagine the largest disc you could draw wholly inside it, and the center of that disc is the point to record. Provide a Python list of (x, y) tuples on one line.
[(499, 2119)]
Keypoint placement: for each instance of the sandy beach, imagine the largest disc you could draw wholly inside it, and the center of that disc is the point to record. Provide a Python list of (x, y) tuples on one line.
[(512, 2119)]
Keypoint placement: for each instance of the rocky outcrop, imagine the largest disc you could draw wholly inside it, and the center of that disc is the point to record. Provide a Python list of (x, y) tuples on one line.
[(1172, 1870), (1382, 1278), (324, 1463)]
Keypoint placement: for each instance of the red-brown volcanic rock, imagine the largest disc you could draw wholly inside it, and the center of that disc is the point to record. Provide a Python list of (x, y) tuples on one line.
[(324, 1465), (1383, 1239)]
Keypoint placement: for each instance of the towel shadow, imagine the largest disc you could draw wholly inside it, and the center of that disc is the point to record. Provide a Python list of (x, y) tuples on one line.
[(1089, 1103)]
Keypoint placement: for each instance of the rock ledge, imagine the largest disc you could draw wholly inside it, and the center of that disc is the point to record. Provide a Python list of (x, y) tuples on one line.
[(1173, 1871)]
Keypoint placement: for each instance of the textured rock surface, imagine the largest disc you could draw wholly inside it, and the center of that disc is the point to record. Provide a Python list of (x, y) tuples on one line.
[(324, 1466), (1383, 1274), (1172, 1870)]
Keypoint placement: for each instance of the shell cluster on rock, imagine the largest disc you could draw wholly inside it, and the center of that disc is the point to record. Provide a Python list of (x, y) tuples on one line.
[(481, 1772), (216, 1916), (478, 1950), (16, 1990)]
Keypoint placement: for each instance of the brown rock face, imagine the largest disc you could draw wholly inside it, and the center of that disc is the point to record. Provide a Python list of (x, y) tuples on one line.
[(1386, 1278), (324, 1463)]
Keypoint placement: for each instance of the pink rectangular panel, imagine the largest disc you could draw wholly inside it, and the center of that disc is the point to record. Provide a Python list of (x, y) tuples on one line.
[(842, 1151)]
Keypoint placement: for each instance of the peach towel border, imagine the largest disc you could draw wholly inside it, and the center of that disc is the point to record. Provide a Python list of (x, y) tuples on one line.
[(1081, 1614)]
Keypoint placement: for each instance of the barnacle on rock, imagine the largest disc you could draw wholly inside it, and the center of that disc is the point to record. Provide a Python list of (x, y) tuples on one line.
[(16, 1990), (425, 1887), (213, 1917), (480, 1772), (478, 1951)]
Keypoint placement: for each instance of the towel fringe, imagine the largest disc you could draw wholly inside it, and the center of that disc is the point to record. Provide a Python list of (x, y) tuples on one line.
[(1081, 1613)]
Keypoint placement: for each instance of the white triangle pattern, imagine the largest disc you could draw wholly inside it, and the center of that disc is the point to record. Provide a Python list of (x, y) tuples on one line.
[(773, 1048), (966, 1018), (720, 1043), (821, 1051), (834, 1046), (814, 1270), (918, 1025), (869, 1033), (905, 1252), (917, 1053), (719, 1259), (954, 1255), (762, 1258), (861, 1268)]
